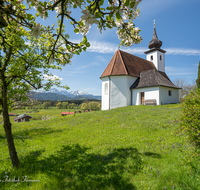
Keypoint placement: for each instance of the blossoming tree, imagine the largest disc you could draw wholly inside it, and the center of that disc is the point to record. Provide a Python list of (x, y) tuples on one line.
[(29, 49)]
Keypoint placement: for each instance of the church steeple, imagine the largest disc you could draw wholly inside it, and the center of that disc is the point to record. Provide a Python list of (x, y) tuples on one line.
[(156, 54), (155, 42)]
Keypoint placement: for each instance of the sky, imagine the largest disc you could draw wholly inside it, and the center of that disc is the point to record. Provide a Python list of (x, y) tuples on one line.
[(177, 26)]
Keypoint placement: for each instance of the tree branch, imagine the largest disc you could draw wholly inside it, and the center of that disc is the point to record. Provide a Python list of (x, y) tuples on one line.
[(7, 58)]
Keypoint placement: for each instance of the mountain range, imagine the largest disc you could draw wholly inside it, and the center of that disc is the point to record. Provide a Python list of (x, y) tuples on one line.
[(63, 95)]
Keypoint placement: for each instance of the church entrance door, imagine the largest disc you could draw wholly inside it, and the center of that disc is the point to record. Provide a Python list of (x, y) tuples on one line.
[(142, 98)]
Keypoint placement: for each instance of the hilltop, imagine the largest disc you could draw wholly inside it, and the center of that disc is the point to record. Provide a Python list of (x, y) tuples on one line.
[(135, 147)]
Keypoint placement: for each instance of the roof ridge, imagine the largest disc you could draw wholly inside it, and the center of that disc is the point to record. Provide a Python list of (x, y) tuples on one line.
[(135, 56), (166, 79), (113, 62), (123, 63), (156, 74)]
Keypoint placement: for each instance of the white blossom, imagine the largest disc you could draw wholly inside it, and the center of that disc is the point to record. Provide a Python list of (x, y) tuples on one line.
[(84, 29), (88, 18), (119, 22), (130, 25), (136, 29), (58, 10), (36, 31)]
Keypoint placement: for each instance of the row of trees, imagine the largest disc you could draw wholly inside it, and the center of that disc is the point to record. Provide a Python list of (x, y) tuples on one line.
[(84, 106), (90, 106), (185, 88), (66, 105), (36, 104)]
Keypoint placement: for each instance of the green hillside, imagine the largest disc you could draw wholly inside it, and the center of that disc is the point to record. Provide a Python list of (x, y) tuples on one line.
[(135, 147)]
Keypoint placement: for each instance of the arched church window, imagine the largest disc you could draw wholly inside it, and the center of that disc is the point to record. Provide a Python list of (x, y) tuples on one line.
[(160, 57), (151, 57), (106, 88)]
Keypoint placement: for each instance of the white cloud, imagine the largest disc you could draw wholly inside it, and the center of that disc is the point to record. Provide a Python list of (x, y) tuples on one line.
[(106, 47), (102, 47), (139, 51), (53, 77), (86, 66), (169, 68), (182, 73), (95, 63), (102, 59), (182, 51), (82, 67)]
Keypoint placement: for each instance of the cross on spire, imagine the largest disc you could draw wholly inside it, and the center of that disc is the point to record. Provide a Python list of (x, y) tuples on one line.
[(154, 23)]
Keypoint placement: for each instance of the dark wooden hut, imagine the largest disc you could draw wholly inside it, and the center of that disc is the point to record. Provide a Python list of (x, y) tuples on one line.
[(22, 118)]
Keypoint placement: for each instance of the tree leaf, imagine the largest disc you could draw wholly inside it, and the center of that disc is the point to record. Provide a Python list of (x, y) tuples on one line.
[(39, 9), (76, 30), (84, 39), (127, 3), (29, 16), (118, 16)]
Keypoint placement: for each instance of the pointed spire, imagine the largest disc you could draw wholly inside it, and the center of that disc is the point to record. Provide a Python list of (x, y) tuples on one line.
[(155, 42)]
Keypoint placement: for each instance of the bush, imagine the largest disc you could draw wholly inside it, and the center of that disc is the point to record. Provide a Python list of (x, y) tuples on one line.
[(191, 116), (37, 117)]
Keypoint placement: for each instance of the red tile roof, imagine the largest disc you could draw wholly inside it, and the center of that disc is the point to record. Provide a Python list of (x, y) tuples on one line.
[(124, 63), (67, 113)]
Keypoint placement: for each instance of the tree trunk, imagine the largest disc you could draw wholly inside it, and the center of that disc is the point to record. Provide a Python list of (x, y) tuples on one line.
[(7, 128)]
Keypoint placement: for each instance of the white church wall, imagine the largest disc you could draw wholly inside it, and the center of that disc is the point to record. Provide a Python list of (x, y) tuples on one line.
[(130, 81), (120, 95), (118, 91), (161, 61), (105, 94), (165, 98), (149, 93), (157, 61)]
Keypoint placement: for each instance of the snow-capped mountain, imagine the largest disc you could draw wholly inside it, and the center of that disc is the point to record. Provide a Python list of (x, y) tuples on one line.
[(79, 93), (55, 94), (54, 90), (67, 93)]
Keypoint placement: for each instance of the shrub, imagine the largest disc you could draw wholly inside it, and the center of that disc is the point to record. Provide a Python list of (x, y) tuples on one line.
[(191, 116), (37, 117)]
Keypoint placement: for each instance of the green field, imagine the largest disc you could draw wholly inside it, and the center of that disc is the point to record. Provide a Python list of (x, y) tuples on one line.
[(135, 147)]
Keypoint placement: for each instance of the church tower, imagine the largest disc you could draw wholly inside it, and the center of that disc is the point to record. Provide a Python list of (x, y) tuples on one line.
[(155, 54)]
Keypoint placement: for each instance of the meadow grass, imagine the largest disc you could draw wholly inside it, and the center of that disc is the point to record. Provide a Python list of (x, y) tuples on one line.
[(135, 147)]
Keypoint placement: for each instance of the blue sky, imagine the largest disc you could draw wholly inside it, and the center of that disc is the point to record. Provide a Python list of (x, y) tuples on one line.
[(177, 26)]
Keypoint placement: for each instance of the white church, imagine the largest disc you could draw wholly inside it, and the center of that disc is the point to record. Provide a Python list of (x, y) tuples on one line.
[(131, 80)]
